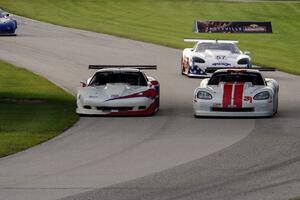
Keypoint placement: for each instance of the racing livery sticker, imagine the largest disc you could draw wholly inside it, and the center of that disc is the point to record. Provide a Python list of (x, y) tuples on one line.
[(233, 92)]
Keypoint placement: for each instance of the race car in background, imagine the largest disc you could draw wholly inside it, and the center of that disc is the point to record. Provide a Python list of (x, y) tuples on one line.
[(236, 92), (119, 90), (8, 25), (212, 54)]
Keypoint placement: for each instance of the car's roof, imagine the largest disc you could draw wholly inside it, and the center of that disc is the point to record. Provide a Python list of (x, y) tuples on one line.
[(238, 70), (118, 70)]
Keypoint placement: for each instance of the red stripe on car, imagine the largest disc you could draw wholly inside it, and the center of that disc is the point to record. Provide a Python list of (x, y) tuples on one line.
[(238, 95), (227, 93), (150, 93)]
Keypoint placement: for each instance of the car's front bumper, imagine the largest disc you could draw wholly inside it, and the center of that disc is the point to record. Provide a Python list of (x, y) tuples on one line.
[(8, 29), (201, 113), (198, 75), (262, 108), (119, 107), (201, 70)]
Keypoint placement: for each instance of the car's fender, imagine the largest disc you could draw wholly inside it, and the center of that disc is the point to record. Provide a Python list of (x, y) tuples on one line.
[(273, 84), (204, 82)]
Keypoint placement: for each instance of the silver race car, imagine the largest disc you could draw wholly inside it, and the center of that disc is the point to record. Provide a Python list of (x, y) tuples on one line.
[(212, 54), (236, 92), (118, 90)]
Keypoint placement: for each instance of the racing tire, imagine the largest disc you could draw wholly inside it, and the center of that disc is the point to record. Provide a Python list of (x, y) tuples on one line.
[(182, 67), (276, 104)]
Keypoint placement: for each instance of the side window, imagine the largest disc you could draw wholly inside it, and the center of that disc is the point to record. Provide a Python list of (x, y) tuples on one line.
[(143, 79), (93, 79), (99, 78), (214, 80), (258, 80)]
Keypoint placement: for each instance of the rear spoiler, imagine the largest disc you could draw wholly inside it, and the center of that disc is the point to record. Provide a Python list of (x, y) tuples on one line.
[(265, 69), (141, 67), (209, 40)]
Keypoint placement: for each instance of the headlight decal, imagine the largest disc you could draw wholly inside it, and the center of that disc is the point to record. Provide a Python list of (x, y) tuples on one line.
[(198, 60), (262, 95), (243, 61), (204, 95)]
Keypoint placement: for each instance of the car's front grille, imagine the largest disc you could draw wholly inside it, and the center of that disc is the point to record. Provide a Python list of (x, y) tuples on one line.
[(87, 107), (142, 107), (118, 109), (217, 109)]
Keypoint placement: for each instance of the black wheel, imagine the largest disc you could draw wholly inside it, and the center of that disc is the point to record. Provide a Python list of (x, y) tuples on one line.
[(182, 70), (182, 67), (276, 104)]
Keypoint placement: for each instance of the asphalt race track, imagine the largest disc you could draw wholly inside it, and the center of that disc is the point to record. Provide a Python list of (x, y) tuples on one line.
[(171, 155)]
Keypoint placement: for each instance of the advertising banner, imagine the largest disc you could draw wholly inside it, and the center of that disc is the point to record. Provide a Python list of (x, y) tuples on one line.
[(232, 27)]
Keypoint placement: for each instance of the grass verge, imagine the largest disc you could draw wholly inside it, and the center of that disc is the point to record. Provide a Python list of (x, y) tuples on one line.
[(32, 109), (167, 22)]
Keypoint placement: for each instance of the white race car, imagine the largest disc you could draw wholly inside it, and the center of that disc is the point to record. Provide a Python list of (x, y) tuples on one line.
[(236, 92), (212, 54), (118, 90)]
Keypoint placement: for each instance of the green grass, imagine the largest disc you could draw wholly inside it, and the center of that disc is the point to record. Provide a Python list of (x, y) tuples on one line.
[(167, 22), (24, 124)]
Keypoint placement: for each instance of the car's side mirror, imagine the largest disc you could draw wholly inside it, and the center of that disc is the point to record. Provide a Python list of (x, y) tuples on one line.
[(83, 83), (247, 53)]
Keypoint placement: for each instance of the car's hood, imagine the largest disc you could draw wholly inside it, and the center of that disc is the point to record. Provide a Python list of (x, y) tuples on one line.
[(110, 91), (236, 94), (246, 88), (218, 54), (4, 20)]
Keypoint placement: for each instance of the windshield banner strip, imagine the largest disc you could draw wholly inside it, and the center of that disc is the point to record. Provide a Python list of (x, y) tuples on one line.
[(232, 27)]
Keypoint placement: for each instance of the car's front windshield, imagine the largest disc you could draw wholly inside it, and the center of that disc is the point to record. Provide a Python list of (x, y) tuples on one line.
[(202, 47), (236, 77), (113, 77)]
